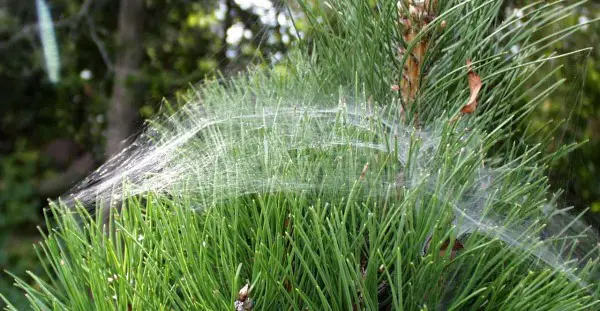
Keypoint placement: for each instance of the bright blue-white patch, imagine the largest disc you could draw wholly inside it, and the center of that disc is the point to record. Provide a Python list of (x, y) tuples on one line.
[(48, 39)]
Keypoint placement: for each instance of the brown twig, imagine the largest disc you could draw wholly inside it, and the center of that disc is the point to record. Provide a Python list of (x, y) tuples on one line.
[(414, 16)]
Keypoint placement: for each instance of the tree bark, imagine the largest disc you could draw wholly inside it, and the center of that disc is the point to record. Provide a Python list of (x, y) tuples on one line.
[(122, 112)]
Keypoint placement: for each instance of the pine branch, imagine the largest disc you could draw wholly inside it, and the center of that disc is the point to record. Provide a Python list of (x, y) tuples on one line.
[(305, 190)]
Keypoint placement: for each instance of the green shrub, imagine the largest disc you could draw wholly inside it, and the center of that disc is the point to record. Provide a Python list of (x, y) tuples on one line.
[(322, 189)]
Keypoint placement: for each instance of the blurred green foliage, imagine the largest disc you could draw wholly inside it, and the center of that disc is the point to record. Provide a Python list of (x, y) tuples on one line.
[(575, 109), (16, 190), (18, 213)]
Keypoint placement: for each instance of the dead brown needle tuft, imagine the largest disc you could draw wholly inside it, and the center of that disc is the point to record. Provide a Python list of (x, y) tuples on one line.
[(364, 171), (457, 246), (475, 87)]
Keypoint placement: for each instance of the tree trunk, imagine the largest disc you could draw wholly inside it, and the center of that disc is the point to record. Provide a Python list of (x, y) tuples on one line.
[(122, 112)]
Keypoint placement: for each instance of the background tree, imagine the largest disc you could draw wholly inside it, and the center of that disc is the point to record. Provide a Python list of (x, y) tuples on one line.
[(122, 114)]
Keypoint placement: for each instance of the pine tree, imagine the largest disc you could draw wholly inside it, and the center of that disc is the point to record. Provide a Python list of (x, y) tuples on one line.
[(382, 169)]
